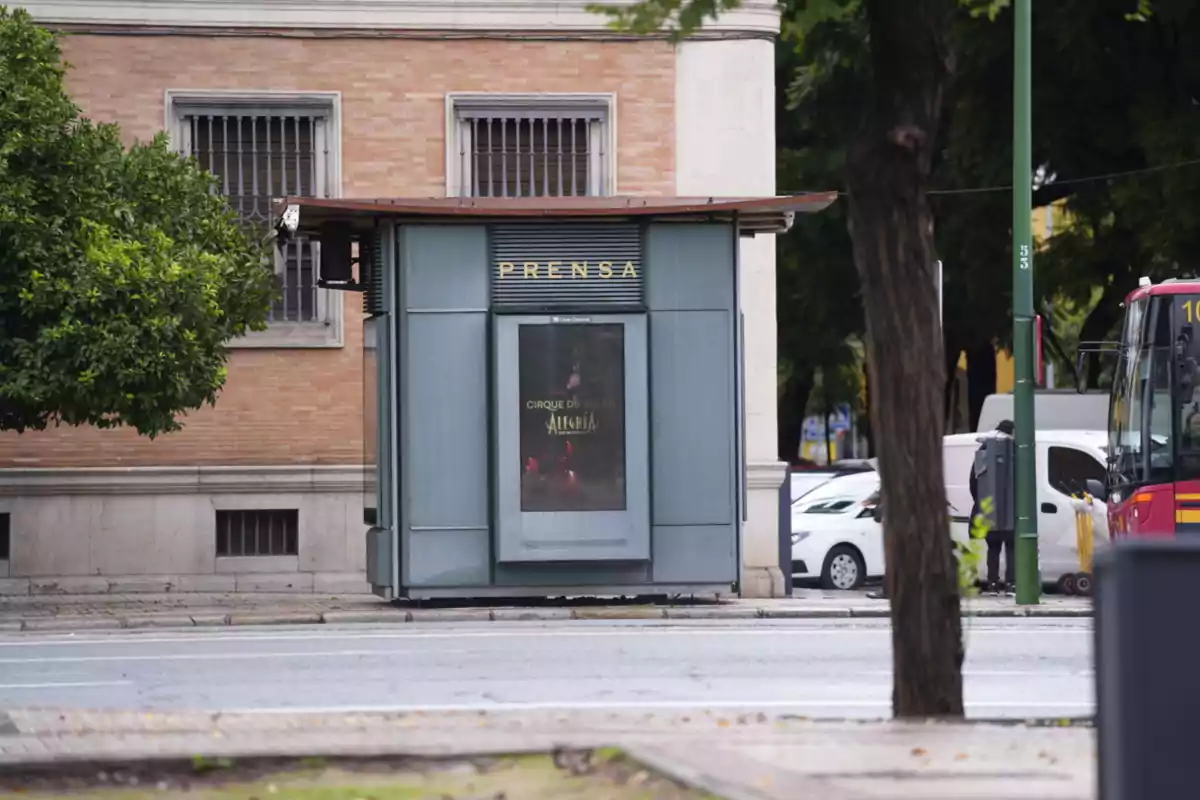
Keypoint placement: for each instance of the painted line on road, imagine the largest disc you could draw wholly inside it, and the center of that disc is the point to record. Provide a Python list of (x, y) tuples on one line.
[(1060, 707), (998, 673), (298, 654), (70, 685), (328, 636)]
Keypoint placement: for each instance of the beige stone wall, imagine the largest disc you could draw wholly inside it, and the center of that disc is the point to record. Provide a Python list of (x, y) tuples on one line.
[(305, 406)]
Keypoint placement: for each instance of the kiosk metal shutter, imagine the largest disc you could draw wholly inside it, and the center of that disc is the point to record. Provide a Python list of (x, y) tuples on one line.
[(540, 267)]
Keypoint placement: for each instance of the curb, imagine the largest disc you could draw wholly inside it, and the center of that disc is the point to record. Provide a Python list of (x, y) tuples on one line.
[(405, 616), (690, 777)]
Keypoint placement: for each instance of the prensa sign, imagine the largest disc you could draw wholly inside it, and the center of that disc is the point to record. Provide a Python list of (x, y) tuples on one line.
[(568, 270)]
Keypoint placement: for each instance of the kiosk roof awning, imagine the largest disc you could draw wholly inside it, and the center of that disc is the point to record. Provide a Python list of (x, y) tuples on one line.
[(751, 214)]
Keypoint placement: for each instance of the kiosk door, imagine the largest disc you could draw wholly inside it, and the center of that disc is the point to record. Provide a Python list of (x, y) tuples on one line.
[(572, 439)]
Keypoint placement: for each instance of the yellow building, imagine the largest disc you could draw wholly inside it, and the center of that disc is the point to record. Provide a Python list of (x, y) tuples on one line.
[(1044, 220)]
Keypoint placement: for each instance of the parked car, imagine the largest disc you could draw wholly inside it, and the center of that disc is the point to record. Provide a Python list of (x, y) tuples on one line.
[(805, 480), (835, 536)]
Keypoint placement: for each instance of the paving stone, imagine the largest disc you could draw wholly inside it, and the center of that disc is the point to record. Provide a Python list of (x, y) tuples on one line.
[(10, 587), (158, 621), (383, 615), (276, 618), (68, 585), (283, 583), (141, 584), (713, 612), (776, 612), (206, 583), (342, 583), (449, 615), (872, 612), (72, 623), (530, 614), (619, 612)]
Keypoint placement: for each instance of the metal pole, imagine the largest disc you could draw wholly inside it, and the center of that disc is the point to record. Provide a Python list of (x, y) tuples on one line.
[(1028, 584)]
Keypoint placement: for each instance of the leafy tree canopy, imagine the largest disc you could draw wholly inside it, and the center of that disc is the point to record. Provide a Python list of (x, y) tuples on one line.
[(1116, 91), (122, 274)]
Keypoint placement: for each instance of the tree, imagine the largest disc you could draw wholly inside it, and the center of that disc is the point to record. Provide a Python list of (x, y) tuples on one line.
[(819, 304), (891, 226), (122, 273), (892, 229)]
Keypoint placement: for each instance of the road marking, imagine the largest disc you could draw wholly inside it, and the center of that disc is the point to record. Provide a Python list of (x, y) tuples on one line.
[(329, 635), (72, 685), (299, 654), (1060, 707), (1000, 673)]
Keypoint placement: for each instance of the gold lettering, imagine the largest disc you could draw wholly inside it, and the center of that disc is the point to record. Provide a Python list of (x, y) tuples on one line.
[(557, 270), (571, 424)]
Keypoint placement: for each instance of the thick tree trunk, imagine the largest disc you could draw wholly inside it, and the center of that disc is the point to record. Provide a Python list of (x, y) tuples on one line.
[(891, 226), (792, 403)]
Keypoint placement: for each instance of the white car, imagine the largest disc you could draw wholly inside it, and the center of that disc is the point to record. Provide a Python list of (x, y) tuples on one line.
[(835, 536)]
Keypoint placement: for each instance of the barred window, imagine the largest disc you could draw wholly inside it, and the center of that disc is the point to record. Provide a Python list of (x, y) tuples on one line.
[(543, 149), (258, 155), (258, 532)]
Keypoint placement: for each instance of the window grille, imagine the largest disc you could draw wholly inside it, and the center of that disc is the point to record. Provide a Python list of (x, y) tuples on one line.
[(259, 156), (258, 532), (538, 153)]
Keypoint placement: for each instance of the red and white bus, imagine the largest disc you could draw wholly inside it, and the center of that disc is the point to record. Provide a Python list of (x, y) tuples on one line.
[(1153, 481)]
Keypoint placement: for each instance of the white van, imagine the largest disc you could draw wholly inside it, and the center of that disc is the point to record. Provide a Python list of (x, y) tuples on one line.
[(1065, 460), (1053, 410)]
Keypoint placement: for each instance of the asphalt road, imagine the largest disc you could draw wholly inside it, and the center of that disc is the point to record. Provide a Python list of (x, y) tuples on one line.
[(820, 668)]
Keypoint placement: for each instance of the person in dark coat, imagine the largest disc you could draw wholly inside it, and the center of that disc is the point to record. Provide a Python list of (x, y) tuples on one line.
[(997, 539)]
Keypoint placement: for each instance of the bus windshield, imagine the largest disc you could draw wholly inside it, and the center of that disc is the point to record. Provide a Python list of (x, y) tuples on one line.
[(1154, 429)]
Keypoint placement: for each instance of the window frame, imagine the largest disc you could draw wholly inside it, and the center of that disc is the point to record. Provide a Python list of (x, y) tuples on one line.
[(1074, 452), (328, 330), (549, 104)]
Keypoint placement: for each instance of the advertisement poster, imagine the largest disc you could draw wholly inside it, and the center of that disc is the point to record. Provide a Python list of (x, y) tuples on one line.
[(572, 426)]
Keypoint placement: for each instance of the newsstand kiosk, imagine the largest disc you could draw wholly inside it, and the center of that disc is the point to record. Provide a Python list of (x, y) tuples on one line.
[(552, 388)]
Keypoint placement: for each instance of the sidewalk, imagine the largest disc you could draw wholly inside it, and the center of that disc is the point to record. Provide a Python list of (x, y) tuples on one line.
[(115, 611), (733, 755)]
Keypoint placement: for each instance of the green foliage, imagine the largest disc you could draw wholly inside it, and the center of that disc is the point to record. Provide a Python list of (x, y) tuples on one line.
[(206, 764), (122, 273), (1114, 87), (972, 552), (677, 17)]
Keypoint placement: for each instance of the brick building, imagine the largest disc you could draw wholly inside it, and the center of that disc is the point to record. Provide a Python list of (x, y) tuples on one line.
[(367, 98)]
